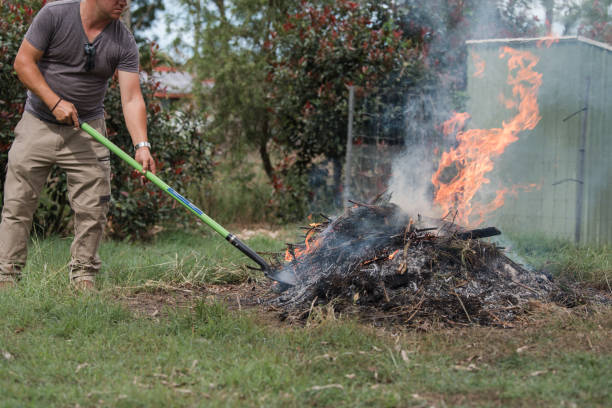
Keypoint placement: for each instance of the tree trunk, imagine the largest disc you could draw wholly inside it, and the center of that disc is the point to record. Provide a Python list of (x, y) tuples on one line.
[(263, 151), (549, 6), (337, 163), (126, 17)]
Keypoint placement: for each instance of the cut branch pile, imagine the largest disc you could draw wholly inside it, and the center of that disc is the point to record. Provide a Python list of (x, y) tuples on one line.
[(378, 260)]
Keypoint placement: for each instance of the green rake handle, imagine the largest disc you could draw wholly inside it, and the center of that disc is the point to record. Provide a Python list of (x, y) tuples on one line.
[(186, 203)]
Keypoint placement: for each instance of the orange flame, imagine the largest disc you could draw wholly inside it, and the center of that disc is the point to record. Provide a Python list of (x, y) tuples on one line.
[(498, 201), (509, 103), (477, 147), (393, 254), (550, 37), (548, 41), (309, 247), (479, 65), (454, 124)]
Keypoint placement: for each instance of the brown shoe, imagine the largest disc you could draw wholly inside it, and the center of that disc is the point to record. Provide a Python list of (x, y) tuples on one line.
[(84, 286)]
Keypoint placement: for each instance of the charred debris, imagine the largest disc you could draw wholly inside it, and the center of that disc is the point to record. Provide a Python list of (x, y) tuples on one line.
[(383, 264)]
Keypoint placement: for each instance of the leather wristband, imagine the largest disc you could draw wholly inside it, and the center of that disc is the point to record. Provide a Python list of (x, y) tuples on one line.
[(55, 106), (142, 144)]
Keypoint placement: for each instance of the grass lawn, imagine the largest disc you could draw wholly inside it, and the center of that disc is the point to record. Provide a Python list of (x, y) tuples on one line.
[(60, 348)]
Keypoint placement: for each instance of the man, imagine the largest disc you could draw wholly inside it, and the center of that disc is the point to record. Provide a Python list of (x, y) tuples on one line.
[(68, 55)]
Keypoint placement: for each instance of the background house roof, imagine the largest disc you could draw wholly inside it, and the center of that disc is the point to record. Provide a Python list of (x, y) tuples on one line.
[(175, 83)]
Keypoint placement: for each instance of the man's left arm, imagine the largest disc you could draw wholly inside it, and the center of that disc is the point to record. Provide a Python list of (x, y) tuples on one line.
[(135, 115)]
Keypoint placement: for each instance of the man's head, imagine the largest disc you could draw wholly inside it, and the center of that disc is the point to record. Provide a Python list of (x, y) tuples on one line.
[(110, 9)]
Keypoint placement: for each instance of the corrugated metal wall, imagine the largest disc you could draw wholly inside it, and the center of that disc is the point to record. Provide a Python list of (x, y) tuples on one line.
[(549, 155), (597, 216)]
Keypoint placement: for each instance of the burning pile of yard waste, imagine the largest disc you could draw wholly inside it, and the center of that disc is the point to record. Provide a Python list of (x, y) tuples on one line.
[(390, 265), (378, 259)]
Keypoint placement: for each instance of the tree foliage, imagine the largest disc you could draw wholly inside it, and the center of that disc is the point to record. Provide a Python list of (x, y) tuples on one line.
[(325, 49), (589, 18), (228, 48), (143, 14)]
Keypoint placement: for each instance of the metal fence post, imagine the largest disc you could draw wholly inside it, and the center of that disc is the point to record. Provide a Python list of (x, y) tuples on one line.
[(349, 147), (580, 170)]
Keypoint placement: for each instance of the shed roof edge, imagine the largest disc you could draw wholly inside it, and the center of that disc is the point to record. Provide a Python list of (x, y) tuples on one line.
[(527, 39)]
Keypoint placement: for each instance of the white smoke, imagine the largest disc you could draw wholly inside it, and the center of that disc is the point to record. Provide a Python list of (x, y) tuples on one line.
[(410, 185)]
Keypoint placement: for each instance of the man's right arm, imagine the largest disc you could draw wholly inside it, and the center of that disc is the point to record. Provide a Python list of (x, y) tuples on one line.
[(26, 66)]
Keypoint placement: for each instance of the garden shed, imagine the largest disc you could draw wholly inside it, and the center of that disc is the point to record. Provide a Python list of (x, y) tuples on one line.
[(568, 155)]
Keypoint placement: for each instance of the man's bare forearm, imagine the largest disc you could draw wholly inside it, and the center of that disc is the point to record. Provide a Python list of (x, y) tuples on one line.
[(135, 116), (134, 110), (29, 74)]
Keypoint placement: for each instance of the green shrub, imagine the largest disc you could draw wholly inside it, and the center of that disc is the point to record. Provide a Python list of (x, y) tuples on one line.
[(292, 191), (182, 156), (15, 17)]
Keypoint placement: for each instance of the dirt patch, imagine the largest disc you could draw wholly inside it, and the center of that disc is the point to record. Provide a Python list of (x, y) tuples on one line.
[(157, 299), (250, 233)]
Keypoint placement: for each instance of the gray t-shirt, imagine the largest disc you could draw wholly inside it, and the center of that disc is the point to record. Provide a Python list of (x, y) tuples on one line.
[(57, 30)]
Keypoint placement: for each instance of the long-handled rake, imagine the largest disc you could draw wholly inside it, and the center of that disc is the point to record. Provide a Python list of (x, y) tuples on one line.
[(267, 270)]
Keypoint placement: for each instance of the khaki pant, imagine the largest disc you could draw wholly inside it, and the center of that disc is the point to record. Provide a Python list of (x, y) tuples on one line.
[(37, 147)]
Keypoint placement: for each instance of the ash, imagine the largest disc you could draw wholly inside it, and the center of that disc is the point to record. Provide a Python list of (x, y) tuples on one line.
[(380, 261)]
